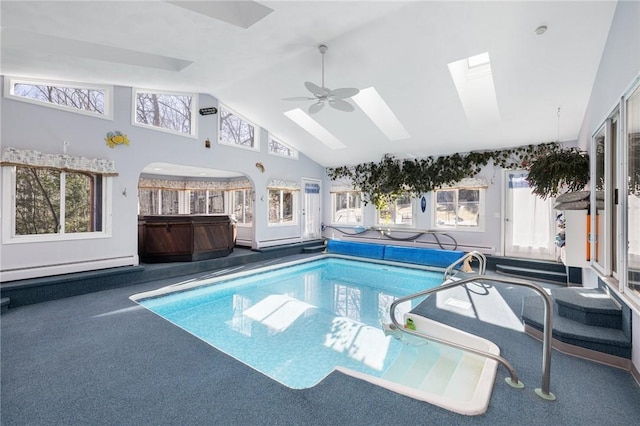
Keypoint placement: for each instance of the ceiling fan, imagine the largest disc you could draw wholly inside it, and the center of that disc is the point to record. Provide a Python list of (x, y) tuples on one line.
[(323, 95)]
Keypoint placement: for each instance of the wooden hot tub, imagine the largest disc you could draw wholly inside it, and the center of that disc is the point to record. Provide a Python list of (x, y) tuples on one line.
[(184, 238)]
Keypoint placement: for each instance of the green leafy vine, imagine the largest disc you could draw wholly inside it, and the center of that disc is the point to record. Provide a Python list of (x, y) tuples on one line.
[(384, 181)]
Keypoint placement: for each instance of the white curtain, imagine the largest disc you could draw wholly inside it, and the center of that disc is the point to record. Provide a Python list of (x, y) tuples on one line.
[(532, 220)]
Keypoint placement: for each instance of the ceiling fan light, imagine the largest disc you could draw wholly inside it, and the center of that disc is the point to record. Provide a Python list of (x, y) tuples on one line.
[(316, 107), (323, 94)]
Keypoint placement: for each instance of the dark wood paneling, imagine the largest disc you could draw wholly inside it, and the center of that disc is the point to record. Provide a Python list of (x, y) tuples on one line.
[(185, 238)]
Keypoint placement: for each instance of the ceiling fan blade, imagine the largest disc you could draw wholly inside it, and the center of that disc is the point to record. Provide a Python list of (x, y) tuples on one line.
[(343, 93), (316, 107), (299, 98), (342, 105), (316, 90)]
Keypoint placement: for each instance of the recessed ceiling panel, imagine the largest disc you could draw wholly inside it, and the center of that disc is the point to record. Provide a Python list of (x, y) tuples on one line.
[(29, 41)]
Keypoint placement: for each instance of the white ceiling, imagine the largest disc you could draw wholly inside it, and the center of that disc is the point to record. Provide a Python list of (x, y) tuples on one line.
[(401, 48)]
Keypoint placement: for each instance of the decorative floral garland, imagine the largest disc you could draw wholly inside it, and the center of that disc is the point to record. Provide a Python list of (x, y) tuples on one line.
[(116, 138)]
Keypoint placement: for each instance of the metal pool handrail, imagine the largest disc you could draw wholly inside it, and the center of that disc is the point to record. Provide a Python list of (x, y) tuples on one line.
[(482, 261), (543, 391)]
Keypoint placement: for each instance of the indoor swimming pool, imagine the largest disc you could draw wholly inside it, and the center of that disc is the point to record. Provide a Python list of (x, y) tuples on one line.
[(297, 323)]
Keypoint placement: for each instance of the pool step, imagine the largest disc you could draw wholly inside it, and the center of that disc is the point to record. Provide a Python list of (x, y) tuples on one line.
[(442, 372), (436, 369), (468, 372), (4, 304)]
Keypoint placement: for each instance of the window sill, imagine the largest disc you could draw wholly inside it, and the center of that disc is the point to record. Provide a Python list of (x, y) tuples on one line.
[(235, 145), (280, 225), (443, 229), (31, 239)]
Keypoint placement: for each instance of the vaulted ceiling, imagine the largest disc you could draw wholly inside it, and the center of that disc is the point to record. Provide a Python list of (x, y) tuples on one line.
[(250, 55)]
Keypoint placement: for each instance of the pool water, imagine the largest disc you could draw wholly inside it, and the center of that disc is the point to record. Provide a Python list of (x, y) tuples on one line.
[(295, 324)]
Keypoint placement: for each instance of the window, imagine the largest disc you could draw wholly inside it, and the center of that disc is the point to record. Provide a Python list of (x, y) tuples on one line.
[(215, 202), (51, 201), (159, 201), (236, 131), (73, 97), (278, 148), (169, 112), (206, 202), (149, 201), (198, 202), (242, 206), (282, 207), (399, 212), (459, 208), (346, 208)]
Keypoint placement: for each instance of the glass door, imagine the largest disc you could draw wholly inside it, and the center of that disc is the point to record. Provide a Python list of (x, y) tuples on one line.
[(530, 228), (604, 206), (311, 209), (633, 192)]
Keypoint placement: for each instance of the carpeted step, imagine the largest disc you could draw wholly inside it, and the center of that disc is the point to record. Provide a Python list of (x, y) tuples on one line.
[(538, 274), (4, 304), (601, 339), (541, 265), (589, 306), (314, 249)]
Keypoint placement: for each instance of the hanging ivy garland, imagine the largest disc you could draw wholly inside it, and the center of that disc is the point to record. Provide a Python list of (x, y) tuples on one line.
[(382, 182), (563, 169)]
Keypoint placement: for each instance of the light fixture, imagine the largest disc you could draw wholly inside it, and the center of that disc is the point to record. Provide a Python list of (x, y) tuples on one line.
[(541, 29)]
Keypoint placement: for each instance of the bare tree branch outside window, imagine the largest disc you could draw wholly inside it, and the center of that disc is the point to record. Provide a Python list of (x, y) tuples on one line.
[(278, 148), (78, 98), (39, 199), (171, 112), (234, 130)]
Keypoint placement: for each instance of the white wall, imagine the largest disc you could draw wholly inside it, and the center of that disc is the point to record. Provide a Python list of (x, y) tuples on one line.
[(619, 66), (488, 241), (29, 126)]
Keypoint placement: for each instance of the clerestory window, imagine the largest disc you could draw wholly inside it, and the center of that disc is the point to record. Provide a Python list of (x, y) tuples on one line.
[(72, 97)]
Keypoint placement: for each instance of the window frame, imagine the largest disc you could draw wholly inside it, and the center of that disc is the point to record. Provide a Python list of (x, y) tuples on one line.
[(194, 108), (333, 208), (232, 204), (9, 212), (278, 141), (456, 228), (9, 93), (256, 131), (629, 134), (411, 225), (295, 195)]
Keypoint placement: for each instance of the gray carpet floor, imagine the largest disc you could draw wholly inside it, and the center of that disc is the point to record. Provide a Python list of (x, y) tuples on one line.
[(100, 359)]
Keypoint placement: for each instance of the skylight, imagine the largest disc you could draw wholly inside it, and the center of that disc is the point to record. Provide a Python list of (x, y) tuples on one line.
[(478, 60), (370, 101), (314, 128), (474, 82)]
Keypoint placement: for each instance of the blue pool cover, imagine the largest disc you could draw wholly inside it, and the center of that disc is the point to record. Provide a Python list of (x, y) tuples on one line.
[(417, 255)]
